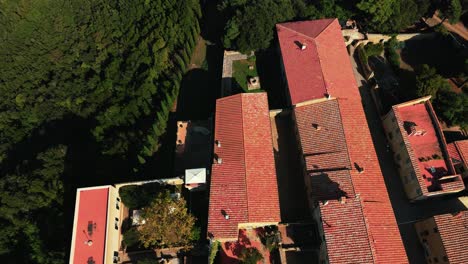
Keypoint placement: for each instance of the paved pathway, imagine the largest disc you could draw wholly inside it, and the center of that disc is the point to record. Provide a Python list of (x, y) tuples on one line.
[(406, 213), (456, 28), (229, 57)]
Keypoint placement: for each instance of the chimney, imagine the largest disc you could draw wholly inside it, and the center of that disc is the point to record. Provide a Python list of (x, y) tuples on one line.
[(328, 96), (358, 168), (218, 143), (303, 46), (316, 126), (342, 199)]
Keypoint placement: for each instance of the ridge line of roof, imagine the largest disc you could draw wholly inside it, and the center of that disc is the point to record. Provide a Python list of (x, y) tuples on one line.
[(366, 224), (243, 151), (321, 69), (299, 33)]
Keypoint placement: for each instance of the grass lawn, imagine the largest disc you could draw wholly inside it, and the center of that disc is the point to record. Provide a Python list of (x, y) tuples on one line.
[(241, 73), (199, 54)]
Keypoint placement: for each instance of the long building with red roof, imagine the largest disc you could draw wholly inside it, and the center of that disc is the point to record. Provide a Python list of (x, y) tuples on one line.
[(420, 150), (458, 152), (444, 238), (96, 225), (243, 189), (343, 176)]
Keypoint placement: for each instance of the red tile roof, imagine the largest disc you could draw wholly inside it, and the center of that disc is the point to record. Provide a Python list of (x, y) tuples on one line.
[(458, 151), (90, 225), (244, 185), (383, 234), (346, 235), (320, 69), (453, 230), (322, 136), (425, 146)]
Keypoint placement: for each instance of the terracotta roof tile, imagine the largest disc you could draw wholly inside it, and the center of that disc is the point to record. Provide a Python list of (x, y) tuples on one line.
[(304, 83), (459, 150), (453, 230), (345, 232), (244, 185), (425, 146)]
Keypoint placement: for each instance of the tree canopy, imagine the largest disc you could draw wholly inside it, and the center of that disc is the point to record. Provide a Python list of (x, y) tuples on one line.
[(249, 25), (168, 223), (106, 69)]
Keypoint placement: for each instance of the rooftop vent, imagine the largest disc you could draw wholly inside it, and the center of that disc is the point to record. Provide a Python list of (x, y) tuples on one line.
[(358, 168), (89, 242), (328, 96), (324, 202), (316, 126), (217, 159), (303, 46), (342, 199), (225, 214), (218, 143), (413, 129)]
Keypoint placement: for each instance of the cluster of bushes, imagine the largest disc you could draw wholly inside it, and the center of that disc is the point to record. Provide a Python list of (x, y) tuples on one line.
[(391, 53)]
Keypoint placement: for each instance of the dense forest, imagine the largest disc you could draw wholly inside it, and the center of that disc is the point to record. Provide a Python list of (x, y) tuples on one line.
[(249, 23), (90, 81)]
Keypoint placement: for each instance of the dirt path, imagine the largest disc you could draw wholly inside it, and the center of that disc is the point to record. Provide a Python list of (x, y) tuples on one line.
[(457, 28)]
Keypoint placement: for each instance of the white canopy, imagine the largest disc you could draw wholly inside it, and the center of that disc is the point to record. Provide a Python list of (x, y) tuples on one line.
[(193, 176)]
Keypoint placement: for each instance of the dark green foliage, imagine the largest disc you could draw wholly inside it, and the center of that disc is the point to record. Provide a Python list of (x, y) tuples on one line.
[(270, 238), (115, 65), (428, 82), (214, 248), (103, 60), (250, 255), (31, 201), (195, 235), (251, 27), (452, 107), (391, 54), (131, 238), (138, 196), (452, 9), (371, 49)]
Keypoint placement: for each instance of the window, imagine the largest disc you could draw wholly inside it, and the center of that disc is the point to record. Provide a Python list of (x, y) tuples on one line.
[(436, 230), (117, 203), (116, 224)]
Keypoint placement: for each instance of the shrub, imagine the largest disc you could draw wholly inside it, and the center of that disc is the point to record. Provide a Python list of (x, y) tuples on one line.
[(372, 49), (250, 255), (131, 237), (213, 251)]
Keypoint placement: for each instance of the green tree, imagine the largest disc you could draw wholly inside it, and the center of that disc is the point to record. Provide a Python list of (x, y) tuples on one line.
[(252, 25), (168, 223), (452, 107), (378, 13), (428, 82), (250, 255), (452, 10)]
